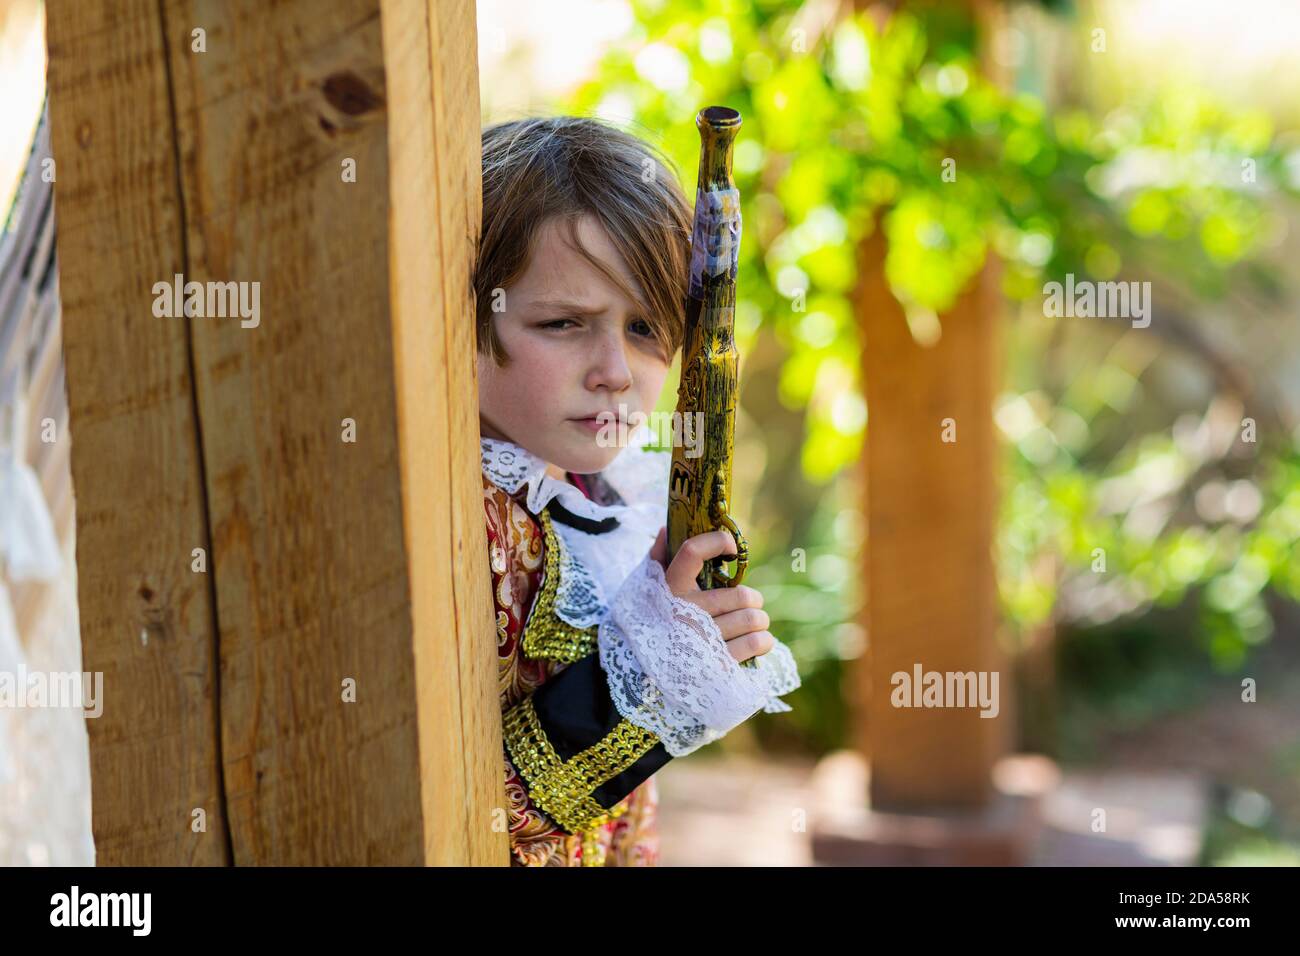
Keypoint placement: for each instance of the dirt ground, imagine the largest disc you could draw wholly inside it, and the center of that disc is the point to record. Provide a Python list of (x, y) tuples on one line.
[(1164, 782)]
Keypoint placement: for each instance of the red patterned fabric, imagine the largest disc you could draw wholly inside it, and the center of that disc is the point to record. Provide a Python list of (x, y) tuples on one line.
[(515, 549)]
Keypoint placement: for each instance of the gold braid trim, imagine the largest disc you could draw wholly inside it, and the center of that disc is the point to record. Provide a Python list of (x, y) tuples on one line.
[(563, 788), (546, 636)]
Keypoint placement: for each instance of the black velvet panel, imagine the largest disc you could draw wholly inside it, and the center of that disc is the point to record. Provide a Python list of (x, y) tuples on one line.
[(576, 712)]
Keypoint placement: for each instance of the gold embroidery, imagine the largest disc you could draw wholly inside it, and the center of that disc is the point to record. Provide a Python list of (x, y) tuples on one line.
[(546, 636), (593, 851), (563, 788)]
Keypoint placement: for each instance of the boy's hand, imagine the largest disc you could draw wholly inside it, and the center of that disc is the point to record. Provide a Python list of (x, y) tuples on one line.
[(737, 611)]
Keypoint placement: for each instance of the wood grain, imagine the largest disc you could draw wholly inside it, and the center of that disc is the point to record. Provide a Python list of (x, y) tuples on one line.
[(334, 561), (146, 619), (437, 213)]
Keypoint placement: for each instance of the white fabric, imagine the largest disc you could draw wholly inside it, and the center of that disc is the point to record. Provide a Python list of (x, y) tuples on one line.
[(669, 670), (592, 566), (29, 548), (29, 551), (12, 661), (664, 658)]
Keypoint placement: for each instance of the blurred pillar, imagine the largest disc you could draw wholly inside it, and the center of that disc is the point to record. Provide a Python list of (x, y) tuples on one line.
[(931, 500), (927, 784)]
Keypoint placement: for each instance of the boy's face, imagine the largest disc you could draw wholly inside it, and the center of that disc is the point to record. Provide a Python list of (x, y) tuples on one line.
[(578, 346)]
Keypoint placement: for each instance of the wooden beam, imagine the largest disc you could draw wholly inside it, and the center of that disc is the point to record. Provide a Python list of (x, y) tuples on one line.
[(218, 141), (146, 620), (436, 201)]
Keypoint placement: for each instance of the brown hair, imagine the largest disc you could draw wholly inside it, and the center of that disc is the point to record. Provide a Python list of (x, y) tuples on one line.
[(564, 167)]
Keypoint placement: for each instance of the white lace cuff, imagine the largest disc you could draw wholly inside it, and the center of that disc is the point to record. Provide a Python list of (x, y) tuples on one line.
[(669, 671)]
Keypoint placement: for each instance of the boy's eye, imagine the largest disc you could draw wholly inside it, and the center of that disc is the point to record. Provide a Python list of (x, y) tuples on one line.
[(555, 323), (642, 327)]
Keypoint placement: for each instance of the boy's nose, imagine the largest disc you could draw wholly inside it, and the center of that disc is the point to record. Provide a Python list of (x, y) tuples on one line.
[(609, 368)]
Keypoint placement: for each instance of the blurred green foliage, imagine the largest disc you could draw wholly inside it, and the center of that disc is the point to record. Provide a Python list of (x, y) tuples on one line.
[(850, 124)]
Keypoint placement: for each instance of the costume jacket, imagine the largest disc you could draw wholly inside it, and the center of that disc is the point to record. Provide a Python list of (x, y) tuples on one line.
[(604, 674)]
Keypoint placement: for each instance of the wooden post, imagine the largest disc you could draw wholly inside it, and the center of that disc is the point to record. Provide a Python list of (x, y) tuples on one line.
[(318, 679), (926, 793), (931, 590), (938, 786)]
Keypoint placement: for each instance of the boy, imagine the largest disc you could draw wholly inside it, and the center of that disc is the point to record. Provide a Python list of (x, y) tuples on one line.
[(610, 664)]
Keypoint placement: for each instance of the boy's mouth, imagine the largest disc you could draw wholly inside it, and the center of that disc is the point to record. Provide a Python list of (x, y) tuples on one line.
[(598, 421), (595, 423)]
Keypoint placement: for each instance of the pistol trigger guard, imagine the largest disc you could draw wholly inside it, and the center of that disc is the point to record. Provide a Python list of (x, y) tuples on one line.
[(718, 512)]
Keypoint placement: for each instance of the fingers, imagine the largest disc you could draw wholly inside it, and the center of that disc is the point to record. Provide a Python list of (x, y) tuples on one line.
[(736, 611), (738, 623), (745, 621), (754, 644), (722, 600), (690, 558)]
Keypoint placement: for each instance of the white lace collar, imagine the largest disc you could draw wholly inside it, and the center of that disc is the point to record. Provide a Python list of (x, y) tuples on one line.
[(637, 474), (592, 566)]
